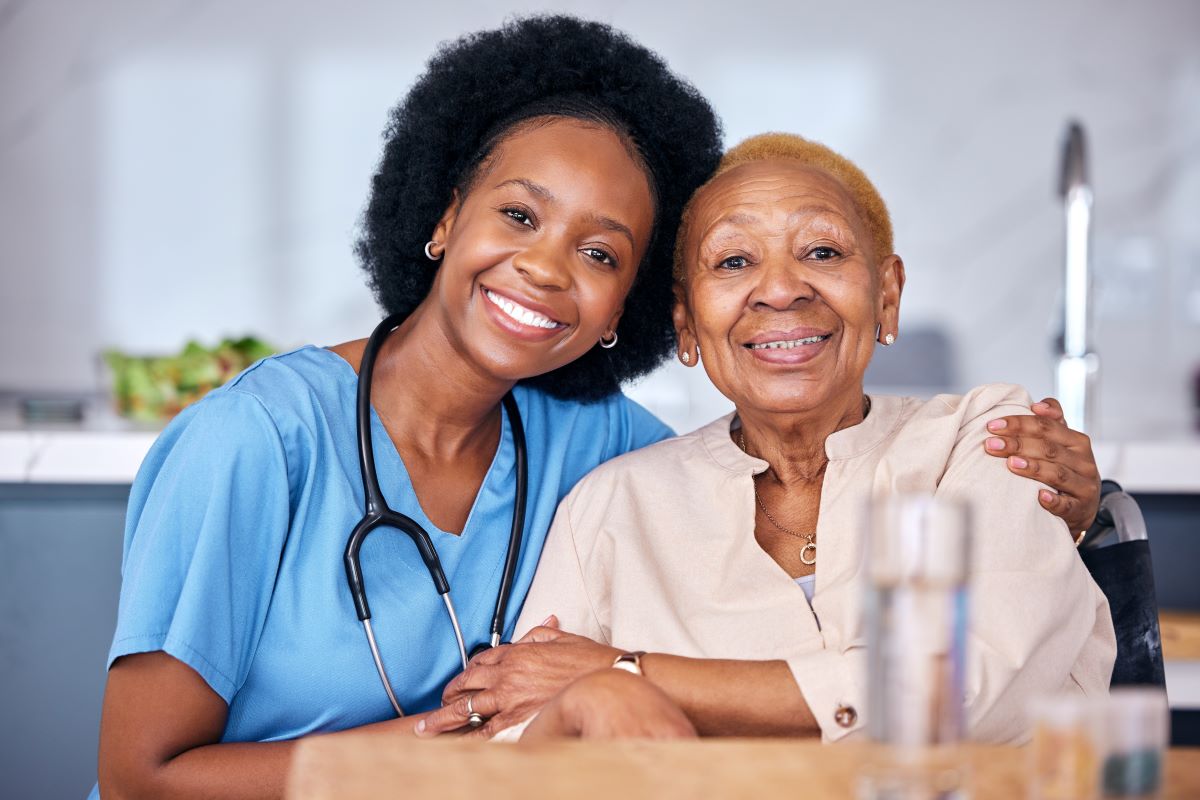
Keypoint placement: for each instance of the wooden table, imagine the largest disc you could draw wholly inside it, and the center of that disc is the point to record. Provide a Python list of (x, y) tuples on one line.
[(354, 767), (1180, 631)]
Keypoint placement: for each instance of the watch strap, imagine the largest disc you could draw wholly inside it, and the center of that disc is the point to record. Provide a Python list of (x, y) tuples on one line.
[(630, 662)]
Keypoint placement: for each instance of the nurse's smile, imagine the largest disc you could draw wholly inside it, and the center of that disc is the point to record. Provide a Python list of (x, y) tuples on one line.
[(521, 317)]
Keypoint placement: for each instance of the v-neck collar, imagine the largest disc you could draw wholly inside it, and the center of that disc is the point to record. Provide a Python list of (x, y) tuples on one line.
[(381, 441), (380, 438)]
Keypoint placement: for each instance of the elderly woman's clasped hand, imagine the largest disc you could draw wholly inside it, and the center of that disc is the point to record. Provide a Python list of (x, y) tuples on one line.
[(610, 704), (509, 683)]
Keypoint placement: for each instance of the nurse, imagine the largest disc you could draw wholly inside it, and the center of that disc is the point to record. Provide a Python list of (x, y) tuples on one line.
[(523, 217)]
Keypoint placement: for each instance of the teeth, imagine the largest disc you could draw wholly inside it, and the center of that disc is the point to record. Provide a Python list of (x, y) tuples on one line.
[(520, 313), (788, 345)]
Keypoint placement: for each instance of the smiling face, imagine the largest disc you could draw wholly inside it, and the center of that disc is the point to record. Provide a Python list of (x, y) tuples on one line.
[(782, 290), (540, 253)]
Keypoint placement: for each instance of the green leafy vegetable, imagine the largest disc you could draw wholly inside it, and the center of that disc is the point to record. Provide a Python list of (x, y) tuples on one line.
[(152, 388)]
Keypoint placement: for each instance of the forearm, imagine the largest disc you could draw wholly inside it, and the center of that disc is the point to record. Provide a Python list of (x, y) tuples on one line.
[(232, 770), (733, 698), (229, 770)]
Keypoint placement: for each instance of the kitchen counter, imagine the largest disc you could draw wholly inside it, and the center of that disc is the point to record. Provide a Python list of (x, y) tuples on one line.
[(1161, 467), (101, 449), (72, 456), (107, 449)]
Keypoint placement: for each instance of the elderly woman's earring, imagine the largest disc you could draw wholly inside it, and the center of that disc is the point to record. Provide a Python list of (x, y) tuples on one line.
[(429, 252), (685, 357), (609, 344), (889, 339)]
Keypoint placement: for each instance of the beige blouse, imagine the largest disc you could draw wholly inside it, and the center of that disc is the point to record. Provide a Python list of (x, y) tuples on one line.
[(655, 551)]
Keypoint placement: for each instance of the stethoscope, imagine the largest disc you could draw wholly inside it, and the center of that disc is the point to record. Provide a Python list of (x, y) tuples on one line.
[(377, 513)]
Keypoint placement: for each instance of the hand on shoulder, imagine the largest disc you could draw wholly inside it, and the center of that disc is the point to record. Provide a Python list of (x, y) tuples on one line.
[(1041, 447)]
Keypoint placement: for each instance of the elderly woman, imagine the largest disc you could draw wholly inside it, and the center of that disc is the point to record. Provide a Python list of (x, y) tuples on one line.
[(733, 554)]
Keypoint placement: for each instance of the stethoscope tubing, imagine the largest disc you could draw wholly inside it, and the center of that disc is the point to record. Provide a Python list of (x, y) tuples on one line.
[(378, 514), (513, 554)]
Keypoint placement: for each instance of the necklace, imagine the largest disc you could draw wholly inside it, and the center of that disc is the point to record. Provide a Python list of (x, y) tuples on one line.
[(808, 553)]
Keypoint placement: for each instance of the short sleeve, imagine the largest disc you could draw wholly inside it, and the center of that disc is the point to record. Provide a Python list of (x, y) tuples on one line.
[(208, 517)]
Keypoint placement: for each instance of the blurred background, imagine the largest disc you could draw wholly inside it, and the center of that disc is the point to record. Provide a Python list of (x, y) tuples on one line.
[(174, 170), (171, 170)]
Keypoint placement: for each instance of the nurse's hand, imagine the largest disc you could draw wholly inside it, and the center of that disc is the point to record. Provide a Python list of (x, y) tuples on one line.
[(610, 704), (510, 683), (1043, 448)]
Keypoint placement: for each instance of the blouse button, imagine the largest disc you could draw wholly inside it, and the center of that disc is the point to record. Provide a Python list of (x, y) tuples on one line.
[(845, 716)]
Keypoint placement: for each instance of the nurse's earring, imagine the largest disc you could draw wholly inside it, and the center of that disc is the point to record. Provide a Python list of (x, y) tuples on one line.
[(889, 340), (429, 252), (686, 357), (609, 344)]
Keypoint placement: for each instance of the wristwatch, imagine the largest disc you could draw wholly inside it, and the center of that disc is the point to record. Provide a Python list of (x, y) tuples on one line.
[(630, 662)]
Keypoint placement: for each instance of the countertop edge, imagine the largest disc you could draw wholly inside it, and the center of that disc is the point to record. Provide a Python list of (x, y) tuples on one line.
[(113, 456)]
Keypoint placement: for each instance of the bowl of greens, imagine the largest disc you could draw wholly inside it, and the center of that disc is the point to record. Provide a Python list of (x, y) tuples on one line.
[(153, 388)]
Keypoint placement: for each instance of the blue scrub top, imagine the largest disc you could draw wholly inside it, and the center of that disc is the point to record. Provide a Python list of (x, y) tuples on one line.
[(239, 517)]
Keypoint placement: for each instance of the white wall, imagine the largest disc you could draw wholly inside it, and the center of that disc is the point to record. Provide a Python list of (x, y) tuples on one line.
[(176, 169)]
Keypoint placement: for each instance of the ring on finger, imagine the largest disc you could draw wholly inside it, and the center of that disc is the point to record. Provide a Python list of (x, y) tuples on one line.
[(474, 718)]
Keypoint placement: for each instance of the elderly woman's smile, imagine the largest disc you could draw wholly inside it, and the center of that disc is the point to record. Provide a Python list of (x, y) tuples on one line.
[(788, 347), (785, 288)]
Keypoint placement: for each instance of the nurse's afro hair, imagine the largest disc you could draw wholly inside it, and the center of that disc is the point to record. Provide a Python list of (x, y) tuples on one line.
[(480, 88)]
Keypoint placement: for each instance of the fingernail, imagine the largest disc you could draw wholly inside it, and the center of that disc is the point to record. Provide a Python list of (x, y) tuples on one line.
[(1018, 462), (995, 443), (997, 425), (420, 728), (1038, 406), (1046, 495), (547, 621)]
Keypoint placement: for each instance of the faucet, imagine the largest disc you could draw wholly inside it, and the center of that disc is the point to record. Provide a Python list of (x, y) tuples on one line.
[(1077, 367)]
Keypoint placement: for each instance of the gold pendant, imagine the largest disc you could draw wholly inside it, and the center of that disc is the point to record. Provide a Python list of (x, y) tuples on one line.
[(809, 561)]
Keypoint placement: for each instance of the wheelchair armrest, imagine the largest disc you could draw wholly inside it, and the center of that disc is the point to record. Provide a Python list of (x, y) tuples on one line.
[(1118, 520)]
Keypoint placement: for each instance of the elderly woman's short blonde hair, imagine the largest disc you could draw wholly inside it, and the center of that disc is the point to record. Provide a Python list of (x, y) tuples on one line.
[(772, 146)]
